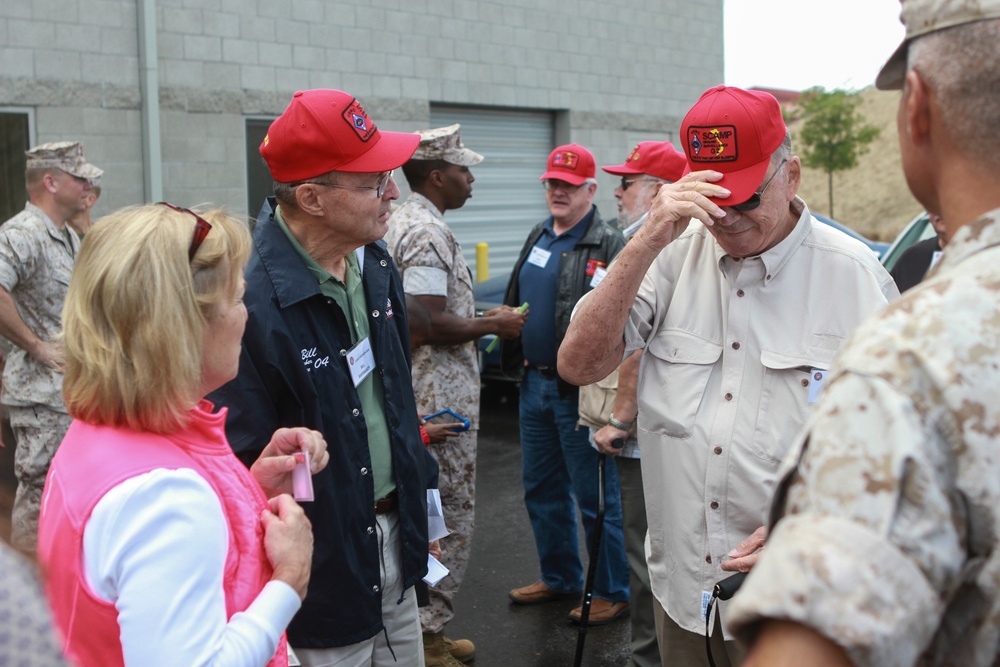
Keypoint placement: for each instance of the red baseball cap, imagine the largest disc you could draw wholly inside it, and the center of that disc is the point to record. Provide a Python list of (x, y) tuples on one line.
[(654, 158), (733, 131), (328, 130), (571, 163)]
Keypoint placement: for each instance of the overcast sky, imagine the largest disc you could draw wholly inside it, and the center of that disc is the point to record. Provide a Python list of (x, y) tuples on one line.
[(797, 44)]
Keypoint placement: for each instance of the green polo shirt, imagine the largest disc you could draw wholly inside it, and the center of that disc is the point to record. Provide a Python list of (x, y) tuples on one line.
[(350, 296)]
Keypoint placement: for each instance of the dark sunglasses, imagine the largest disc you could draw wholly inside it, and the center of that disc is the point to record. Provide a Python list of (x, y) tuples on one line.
[(201, 228), (627, 182), (754, 201)]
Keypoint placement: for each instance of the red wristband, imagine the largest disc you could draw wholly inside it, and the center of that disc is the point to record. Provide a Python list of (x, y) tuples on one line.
[(423, 436)]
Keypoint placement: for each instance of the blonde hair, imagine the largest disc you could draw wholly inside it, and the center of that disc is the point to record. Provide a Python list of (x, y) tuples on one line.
[(136, 310)]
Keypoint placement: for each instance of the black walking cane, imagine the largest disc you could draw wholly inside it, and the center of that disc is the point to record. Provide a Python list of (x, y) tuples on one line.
[(595, 550)]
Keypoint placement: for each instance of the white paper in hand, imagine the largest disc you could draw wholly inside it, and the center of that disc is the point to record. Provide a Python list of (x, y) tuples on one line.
[(435, 517), (435, 571)]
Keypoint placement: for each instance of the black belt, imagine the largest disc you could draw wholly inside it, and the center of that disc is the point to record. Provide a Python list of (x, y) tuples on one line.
[(387, 504), (548, 372)]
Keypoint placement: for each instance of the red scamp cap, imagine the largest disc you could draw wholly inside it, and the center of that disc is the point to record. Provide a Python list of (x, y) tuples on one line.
[(328, 130), (653, 158), (733, 131), (571, 163)]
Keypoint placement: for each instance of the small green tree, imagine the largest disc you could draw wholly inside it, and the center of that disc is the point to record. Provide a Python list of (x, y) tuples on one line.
[(834, 133)]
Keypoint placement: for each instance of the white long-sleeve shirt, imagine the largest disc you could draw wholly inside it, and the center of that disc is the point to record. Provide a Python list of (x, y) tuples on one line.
[(155, 546)]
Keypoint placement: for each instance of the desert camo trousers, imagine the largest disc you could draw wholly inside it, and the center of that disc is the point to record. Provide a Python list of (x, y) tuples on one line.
[(38, 431), (456, 459)]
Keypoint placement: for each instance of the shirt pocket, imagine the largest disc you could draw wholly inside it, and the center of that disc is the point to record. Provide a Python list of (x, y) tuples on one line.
[(674, 380), (784, 404), (61, 274)]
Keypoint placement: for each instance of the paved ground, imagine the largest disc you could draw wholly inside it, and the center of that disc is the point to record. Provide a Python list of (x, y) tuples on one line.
[(503, 558)]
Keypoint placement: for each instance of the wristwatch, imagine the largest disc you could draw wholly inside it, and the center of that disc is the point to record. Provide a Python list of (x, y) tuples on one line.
[(623, 426)]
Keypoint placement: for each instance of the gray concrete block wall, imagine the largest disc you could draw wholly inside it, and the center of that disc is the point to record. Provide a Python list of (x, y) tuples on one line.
[(110, 140), (203, 158), (621, 68)]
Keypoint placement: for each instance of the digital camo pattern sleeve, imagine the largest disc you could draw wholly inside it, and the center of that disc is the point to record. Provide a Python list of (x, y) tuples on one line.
[(886, 539)]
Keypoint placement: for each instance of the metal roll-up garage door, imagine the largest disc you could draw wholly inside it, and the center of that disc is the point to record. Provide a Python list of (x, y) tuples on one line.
[(507, 197)]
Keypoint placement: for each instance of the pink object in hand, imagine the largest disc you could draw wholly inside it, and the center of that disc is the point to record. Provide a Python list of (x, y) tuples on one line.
[(302, 483)]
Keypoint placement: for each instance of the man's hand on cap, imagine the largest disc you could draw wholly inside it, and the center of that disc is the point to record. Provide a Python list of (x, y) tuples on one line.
[(675, 205)]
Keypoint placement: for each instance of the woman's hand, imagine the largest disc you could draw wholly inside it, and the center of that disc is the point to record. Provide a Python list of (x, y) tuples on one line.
[(288, 542), (273, 468)]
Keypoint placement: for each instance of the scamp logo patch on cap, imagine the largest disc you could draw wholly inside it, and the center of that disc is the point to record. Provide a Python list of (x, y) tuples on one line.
[(566, 160), (713, 144), (359, 121)]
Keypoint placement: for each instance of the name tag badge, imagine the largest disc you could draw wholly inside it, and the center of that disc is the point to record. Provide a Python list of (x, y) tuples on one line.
[(360, 361), (599, 274), (817, 378), (539, 257)]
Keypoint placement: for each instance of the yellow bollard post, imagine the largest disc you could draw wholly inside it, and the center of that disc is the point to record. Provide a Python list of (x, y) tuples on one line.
[(482, 262)]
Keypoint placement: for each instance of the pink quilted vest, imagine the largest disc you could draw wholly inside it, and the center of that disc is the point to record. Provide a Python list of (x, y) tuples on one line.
[(94, 459)]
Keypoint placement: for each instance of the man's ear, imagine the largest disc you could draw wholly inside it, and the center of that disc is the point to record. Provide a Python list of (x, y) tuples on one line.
[(794, 168), (435, 178), (50, 183), (307, 199), (916, 108)]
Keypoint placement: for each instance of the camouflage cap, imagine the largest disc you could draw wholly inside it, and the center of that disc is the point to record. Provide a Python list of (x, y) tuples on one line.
[(445, 143), (92, 174), (925, 16), (65, 155)]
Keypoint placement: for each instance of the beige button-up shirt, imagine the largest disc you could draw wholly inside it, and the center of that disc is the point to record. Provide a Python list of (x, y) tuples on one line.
[(890, 543), (731, 348)]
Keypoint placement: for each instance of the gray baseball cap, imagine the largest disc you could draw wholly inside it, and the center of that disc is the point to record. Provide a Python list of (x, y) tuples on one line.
[(926, 16)]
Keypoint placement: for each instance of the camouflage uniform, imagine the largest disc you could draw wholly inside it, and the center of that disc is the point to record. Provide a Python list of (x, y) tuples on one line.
[(444, 376), (891, 497), (36, 260)]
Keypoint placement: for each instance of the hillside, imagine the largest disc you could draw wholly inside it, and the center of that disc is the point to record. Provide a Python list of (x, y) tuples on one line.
[(872, 198)]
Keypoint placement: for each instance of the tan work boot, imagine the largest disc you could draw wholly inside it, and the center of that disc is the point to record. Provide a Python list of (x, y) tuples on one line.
[(436, 653), (460, 649)]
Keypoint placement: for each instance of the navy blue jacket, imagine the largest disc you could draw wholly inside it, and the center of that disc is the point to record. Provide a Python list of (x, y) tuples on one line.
[(293, 373)]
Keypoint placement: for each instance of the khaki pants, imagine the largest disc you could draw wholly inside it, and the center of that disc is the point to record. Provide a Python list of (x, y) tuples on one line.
[(679, 647), (401, 645), (645, 652)]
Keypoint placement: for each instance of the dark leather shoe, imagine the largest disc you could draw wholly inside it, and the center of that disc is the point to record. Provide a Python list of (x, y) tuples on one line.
[(537, 593), (602, 612)]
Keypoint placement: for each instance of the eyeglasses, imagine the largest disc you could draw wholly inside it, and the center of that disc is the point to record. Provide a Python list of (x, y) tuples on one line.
[(754, 201), (626, 182), (379, 187), (552, 184), (201, 228)]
